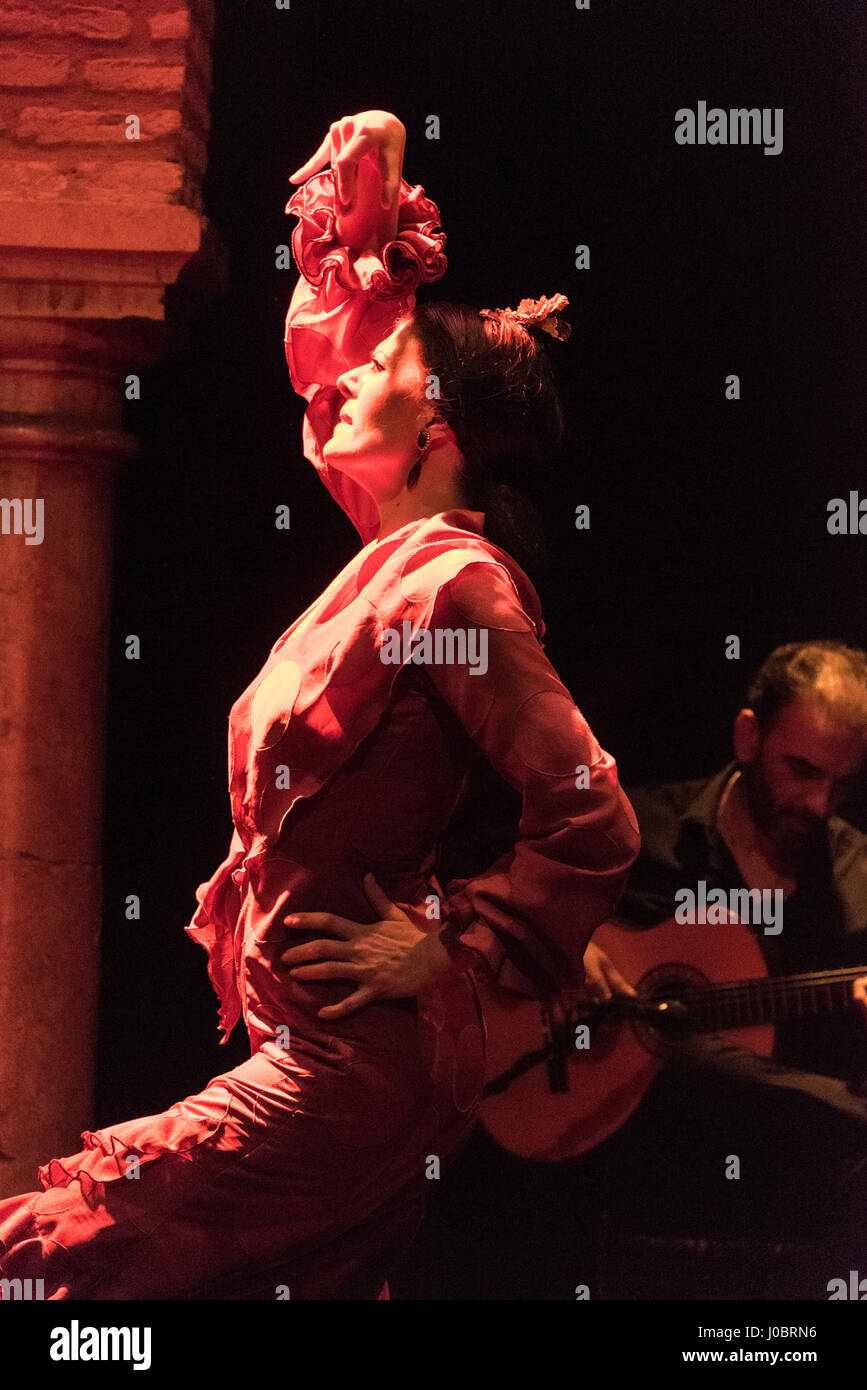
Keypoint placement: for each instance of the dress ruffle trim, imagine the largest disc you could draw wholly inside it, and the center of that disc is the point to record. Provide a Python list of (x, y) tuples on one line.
[(212, 926), (415, 254), (105, 1156)]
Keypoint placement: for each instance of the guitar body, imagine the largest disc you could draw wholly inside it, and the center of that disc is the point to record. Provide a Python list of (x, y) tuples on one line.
[(604, 1083)]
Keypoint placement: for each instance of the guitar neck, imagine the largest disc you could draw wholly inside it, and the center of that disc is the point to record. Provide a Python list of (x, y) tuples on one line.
[(742, 1003)]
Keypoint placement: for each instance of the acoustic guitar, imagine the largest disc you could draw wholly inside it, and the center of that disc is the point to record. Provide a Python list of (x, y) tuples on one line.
[(564, 1073)]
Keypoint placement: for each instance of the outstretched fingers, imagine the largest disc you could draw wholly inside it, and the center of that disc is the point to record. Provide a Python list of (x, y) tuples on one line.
[(344, 147), (314, 163)]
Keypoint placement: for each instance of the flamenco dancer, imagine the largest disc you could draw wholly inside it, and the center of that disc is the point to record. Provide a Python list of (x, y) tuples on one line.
[(302, 1173)]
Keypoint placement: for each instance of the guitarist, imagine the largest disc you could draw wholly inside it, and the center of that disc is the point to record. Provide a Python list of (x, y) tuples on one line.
[(797, 1123)]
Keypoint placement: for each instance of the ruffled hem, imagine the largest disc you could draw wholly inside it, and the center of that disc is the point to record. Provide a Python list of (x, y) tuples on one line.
[(106, 1155), (415, 254)]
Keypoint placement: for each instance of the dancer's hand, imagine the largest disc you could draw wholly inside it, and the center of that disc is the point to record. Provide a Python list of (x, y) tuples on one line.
[(389, 959), (366, 154)]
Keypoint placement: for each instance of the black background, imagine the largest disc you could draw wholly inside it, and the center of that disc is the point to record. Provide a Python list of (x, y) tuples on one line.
[(708, 516)]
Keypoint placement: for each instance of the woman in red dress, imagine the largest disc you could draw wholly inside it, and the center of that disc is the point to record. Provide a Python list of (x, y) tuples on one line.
[(302, 1173)]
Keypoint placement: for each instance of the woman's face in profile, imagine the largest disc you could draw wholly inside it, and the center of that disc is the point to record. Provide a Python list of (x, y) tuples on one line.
[(375, 439)]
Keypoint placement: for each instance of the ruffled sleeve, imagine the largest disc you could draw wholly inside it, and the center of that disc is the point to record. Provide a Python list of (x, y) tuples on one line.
[(527, 919), (342, 306)]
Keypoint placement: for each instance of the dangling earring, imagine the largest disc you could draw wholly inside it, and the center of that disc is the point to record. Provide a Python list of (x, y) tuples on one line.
[(414, 473)]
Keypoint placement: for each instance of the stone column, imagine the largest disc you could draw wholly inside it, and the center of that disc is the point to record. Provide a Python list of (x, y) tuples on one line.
[(94, 225)]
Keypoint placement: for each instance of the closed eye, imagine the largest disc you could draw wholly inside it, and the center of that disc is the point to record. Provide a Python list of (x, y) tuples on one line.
[(379, 365), (802, 768)]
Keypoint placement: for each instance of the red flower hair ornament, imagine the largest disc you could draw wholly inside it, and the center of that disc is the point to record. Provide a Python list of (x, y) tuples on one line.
[(536, 313)]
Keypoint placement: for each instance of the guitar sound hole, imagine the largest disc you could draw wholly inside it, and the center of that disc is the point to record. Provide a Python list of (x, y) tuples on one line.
[(667, 985)]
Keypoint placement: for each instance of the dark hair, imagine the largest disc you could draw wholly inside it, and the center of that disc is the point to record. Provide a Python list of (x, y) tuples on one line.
[(498, 394), (800, 669)]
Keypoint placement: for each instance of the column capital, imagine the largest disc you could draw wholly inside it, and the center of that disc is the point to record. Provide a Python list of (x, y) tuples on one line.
[(98, 262)]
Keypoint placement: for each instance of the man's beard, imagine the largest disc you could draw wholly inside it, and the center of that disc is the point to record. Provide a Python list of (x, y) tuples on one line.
[(793, 831)]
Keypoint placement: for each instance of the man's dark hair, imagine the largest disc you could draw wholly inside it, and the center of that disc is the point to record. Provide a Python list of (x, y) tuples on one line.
[(835, 673)]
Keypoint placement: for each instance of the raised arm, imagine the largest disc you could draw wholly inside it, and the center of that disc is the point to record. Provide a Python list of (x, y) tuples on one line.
[(530, 915), (366, 157), (362, 248)]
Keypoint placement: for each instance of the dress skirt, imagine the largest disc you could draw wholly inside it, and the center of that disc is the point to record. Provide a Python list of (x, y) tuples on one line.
[(298, 1174)]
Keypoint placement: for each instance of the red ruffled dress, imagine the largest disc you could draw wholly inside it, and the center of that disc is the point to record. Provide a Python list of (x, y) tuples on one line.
[(302, 1173)]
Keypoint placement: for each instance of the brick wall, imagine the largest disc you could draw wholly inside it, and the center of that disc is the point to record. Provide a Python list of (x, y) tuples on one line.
[(71, 74)]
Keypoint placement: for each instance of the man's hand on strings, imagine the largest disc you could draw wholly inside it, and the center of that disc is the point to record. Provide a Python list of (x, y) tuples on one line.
[(859, 994), (602, 979)]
